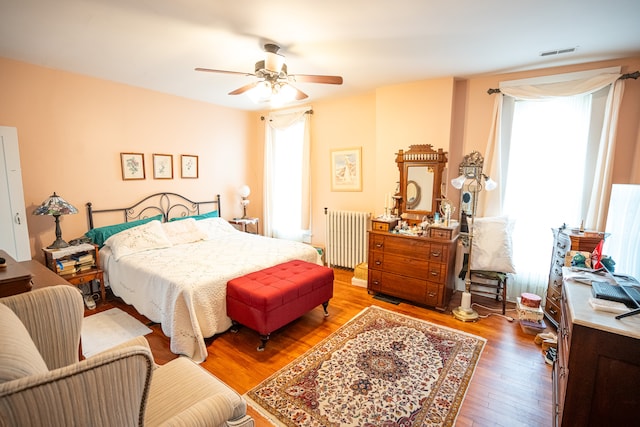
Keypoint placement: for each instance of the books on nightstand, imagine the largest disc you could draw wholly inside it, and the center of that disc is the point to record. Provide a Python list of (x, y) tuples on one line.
[(75, 263)]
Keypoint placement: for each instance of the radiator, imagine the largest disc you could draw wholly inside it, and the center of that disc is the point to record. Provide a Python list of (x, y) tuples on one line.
[(346, 238)]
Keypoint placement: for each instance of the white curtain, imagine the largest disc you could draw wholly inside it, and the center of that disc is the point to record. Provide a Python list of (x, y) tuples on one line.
[(496, 164), (287, 185)]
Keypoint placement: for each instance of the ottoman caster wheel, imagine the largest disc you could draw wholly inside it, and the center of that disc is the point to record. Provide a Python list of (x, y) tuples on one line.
[(264, 339)]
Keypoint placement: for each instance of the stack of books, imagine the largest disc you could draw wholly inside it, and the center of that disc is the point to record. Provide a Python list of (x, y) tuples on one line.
[(65, 266), (84, 261), (75, 263)]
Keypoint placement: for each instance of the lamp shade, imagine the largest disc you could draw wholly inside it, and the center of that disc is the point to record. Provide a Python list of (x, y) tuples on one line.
[(458, 182), (55, 205), (244, 191), (490, 184)]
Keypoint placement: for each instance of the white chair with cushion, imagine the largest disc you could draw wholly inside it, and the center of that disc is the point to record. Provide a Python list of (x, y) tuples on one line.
[(43, 383)]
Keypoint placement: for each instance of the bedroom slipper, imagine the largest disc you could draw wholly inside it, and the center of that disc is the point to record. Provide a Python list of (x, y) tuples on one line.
[(90, 302)]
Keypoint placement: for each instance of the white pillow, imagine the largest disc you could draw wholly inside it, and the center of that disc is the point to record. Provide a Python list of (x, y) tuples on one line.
[(138, 239), (215, 227), (492, 248), (183, 231)]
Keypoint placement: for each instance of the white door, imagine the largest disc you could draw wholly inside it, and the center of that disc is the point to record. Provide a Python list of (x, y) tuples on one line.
[(14, 235)]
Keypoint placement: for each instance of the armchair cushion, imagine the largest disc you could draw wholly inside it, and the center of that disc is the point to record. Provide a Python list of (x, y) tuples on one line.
[(19, 355), (53, 318), (183, 393)]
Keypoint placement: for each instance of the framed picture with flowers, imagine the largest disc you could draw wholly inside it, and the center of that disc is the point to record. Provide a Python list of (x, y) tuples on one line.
[(132, 166), (163, 166), (189, 166)]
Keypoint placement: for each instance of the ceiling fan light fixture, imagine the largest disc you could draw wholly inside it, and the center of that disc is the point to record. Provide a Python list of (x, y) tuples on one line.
[(282, 94), (261, 92), (273, 62)]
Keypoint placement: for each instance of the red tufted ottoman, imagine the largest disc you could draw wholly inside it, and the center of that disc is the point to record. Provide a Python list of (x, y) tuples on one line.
[(269, 299)]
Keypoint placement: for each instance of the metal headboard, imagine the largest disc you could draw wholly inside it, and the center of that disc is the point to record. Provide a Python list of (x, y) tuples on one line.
[(169, 205)]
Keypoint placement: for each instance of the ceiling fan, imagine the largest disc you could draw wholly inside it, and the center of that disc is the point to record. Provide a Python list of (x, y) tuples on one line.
[(274, 80)]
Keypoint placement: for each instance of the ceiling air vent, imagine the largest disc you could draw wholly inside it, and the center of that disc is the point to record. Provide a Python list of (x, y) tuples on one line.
[(558, 51)]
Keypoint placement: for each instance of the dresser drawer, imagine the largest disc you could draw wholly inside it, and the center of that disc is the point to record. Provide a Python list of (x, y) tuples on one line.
[(438, 252), (411, 267), (441, 233), (436, 272), (376, 242), (374, 280), (409, 247), (435, 294), (404, 287), (375, 260), (552, 309)]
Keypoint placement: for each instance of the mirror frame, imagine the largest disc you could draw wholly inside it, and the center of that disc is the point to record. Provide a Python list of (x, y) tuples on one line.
[(421, 155)]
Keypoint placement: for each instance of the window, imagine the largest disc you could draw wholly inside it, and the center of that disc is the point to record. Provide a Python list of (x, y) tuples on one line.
[(287, 176), (544, 181), (552, 149)]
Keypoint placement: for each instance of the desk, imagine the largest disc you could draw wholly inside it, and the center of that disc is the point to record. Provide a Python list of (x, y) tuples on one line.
[(597, 372), (14, 278), (19, 277), (41, 276)]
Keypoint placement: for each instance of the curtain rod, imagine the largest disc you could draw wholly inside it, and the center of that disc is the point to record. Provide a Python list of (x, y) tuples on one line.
[(633, 75), (306, 112)]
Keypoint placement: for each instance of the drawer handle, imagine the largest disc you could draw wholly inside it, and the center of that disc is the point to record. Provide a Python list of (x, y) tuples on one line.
[(553, 311), (432, 294), (435, 254), (375, 282), (554, 298), (378, 262), (434, 273), (379, 245)]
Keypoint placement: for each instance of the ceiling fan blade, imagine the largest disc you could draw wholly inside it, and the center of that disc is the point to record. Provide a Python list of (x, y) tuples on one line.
[(299, 94), (209, 70), (310, 78), (244, 88)]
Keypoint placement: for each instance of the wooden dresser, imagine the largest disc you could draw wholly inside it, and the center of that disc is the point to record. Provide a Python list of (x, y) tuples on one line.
[(415, 268), (563, 242), (597, 372), (561, 245)]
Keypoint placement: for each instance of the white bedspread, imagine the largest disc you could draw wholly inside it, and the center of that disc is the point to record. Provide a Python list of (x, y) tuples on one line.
[(184, 287)]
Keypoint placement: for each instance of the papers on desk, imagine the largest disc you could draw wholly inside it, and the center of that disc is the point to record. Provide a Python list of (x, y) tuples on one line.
[(608, 306), (586, 275)]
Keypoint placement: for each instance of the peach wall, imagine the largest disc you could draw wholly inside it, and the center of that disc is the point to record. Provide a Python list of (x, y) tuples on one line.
[(72, 129), (410, 114)]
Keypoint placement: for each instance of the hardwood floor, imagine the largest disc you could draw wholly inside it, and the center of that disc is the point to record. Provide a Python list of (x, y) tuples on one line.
[(511, 385)]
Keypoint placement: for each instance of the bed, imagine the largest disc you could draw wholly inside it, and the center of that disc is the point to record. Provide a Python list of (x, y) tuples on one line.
[(171, 259)]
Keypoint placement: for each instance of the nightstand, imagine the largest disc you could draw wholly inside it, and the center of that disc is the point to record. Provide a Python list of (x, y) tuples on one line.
[(243, 224), (76, 264)]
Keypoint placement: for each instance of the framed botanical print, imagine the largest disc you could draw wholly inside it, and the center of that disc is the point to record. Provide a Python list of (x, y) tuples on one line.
[(132, 166), (346, 169), (189, 166), (163, 166)]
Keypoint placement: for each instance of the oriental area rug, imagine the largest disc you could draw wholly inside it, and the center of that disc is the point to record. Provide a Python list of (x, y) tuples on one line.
[(379, 369)]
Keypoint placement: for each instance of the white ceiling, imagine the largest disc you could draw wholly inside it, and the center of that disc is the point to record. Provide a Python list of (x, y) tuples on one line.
[(156, 44)]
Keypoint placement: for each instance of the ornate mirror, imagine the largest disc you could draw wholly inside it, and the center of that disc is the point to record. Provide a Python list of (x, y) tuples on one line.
[(421, 170)]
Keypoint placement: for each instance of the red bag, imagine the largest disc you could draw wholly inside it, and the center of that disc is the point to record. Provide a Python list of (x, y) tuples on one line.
[(596, 256)]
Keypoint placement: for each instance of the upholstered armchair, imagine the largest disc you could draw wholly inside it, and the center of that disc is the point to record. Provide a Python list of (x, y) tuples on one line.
[(42, 381)]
